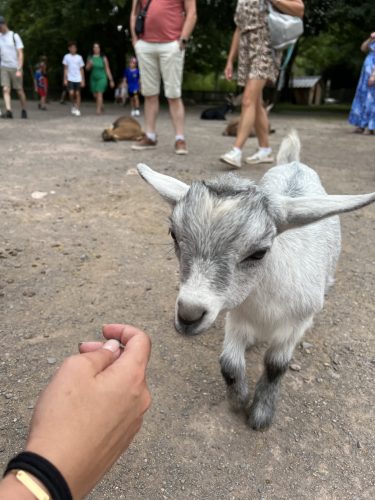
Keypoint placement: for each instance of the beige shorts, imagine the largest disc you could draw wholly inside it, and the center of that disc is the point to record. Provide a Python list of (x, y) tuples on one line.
[(9, 79), (160, 60)]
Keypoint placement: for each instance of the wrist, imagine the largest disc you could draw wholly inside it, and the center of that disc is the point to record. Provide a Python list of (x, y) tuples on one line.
[(12, 489)]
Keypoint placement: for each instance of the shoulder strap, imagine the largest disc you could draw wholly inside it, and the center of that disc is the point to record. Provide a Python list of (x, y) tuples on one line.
[(146, 6)]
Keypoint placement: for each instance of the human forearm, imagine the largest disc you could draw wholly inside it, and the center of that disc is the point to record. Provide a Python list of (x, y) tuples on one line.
[(133, 17), (365, 44), (292, 7), (233, 51), (190, 19), (20, 59), (12, 489)]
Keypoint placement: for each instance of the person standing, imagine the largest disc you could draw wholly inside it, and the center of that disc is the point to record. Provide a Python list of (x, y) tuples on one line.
[(41, 83), (160, 51), (258, 64), (362, 113), (74, 77), (100, 74), (131, 76), (11, 68)]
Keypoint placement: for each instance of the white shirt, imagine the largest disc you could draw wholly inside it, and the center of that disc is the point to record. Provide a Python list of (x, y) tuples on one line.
[(74, 64), (9, 46)]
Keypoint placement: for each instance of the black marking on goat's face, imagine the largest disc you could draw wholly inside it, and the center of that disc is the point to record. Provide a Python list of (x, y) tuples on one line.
[(222, 233)]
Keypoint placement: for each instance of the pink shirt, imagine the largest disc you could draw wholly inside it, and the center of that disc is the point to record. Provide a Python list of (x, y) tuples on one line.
[(164, 20)]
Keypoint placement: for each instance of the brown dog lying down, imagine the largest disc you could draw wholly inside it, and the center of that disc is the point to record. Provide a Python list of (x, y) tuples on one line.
[(123, 129), (232, 128)]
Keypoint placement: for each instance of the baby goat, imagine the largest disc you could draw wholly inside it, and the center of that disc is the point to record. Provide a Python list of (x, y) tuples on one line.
[(265, 253)]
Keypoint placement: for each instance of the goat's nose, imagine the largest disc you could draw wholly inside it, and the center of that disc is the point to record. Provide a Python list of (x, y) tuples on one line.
[(189, 314)]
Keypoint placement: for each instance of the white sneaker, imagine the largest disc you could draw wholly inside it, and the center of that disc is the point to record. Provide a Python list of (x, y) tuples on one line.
[(73, 110), (77, 113), (132, 112), (233, 158), (260, 157), (137, 112)]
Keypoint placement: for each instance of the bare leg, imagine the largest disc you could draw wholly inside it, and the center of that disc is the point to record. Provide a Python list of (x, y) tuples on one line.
[(7, 101), (276, 363), (78, 99), (262, 124), (72, 97), (136, 101), (99, 102), (238, 336), (151, 112), (252, 94), (177, 111), (22, 97)]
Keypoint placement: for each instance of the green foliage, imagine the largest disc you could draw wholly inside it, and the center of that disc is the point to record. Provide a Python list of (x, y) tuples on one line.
[(207, 82), (46, 27), (334, 30)]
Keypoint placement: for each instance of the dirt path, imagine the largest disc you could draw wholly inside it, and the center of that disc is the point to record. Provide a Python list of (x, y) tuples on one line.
[(95, 249)]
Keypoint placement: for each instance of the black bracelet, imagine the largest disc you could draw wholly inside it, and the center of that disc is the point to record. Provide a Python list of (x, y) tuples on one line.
[(43, 470)]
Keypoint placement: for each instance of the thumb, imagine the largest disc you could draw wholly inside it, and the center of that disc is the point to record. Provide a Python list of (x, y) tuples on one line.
[(104, 357)]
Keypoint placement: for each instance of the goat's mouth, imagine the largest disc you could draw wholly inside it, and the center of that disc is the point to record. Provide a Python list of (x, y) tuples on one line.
[(192, 327)]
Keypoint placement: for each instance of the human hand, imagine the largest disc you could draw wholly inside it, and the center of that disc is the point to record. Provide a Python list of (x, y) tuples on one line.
[(83, 84), (18, 73), (65, 82), (93, 407), (228, 71), (134, 40), (112, 84), (372, 35)]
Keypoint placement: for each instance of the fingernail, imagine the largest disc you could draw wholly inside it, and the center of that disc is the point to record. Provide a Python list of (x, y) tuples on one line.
[(112, 345)]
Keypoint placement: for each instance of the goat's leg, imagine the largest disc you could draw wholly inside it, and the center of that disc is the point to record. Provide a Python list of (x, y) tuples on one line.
[(232, 361), (276, 362)]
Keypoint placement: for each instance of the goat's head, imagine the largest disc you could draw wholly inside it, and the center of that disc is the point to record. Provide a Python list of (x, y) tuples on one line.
[(223, 232)]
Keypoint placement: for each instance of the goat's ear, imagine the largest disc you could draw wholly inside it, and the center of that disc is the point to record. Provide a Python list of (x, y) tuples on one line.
[(296, 212), (171, 189)]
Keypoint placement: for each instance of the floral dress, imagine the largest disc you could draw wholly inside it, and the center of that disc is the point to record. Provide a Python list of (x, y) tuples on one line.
[(362, 113), (256, 58)]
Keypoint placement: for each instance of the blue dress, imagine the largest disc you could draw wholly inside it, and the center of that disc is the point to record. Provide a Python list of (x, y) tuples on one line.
[(362, 113)]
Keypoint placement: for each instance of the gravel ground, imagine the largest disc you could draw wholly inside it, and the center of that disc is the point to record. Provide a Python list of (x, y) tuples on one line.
[(94, 249)]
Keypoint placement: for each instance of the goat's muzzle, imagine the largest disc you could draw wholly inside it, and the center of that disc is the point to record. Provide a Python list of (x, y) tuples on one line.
[(189, 318)]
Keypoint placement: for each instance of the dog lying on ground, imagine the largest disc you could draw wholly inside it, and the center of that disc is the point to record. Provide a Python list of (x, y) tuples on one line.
[(232, 128), (217, 113), (123, 129)]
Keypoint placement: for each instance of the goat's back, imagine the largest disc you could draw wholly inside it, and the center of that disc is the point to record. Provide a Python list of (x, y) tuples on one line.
[(314, 249)]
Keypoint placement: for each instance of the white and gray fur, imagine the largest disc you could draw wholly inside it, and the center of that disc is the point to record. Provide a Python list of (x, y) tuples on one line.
[(221, 230)]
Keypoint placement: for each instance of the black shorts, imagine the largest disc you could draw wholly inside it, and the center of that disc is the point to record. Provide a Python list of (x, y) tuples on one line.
[(132, 94), (74, 85)]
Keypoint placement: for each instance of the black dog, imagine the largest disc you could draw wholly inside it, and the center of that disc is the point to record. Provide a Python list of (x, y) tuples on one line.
[(217, 113)]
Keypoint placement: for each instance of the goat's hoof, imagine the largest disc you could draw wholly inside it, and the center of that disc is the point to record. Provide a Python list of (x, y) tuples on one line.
[(237, 402), (260, 417)]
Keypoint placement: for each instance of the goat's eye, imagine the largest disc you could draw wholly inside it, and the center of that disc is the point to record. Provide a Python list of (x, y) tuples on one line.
[(173, 235), (258, 255)]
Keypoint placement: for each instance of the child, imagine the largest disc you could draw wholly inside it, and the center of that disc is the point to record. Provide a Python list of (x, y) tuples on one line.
[(131, 75), (121, 92), (74, 76), (41, 83)]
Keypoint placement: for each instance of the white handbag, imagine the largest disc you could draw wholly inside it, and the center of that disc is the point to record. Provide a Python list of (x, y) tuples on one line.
[(284, 29)]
